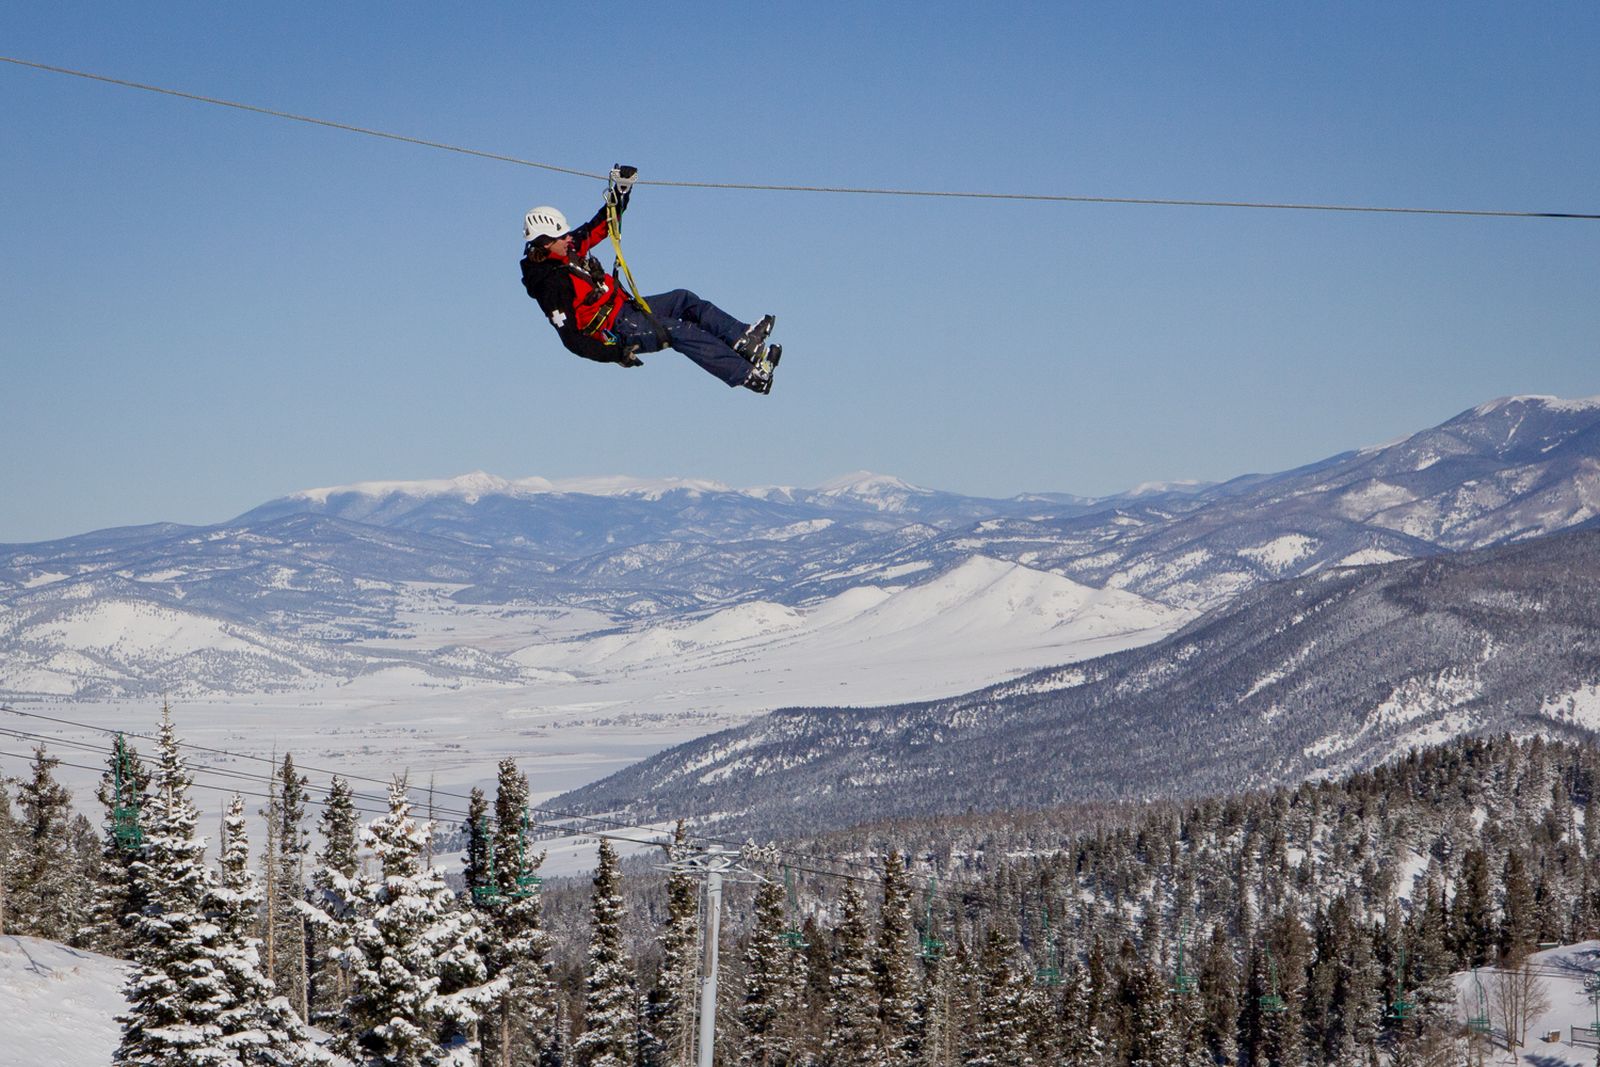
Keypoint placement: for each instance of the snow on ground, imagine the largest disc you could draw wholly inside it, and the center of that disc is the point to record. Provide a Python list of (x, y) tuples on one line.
[(590, 705), (1581, 707), (58, 1005), (1562, 972), (1281, 553)]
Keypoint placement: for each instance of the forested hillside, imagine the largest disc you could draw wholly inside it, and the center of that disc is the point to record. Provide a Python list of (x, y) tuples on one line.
[(1310, 925)]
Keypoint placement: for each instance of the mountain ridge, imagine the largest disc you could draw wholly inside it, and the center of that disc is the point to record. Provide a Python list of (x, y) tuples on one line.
[(339, 571), (1307, 677)]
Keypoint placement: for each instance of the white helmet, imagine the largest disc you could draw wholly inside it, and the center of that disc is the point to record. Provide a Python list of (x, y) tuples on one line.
[(543, 222)]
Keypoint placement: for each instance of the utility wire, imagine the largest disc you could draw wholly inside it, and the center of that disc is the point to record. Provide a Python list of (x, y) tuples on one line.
[(952, 891), (785, 188)]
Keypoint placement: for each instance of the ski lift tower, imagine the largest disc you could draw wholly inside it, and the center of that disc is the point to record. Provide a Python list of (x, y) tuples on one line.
[(715, 866)]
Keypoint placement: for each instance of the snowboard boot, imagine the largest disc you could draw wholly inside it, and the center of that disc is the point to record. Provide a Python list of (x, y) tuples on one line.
[(767, 361), (758, 381), (754, 338)]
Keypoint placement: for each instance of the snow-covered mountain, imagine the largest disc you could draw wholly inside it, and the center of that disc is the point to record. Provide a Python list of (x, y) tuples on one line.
[(1310, 677), (442, 581)]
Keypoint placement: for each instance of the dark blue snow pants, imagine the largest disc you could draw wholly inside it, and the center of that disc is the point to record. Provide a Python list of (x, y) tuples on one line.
[(698, 328)]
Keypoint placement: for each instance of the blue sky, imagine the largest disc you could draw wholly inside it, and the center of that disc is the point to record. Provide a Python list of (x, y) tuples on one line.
[(204, 309)]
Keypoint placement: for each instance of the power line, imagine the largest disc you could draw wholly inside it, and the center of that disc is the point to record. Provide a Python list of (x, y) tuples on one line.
[(953, 892), (792, 188)]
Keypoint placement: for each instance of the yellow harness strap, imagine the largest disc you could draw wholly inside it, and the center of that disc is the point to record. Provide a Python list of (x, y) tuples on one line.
[(614, 228)]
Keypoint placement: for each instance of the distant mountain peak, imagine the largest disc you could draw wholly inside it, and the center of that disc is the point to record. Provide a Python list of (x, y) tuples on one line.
[(1552, 403), (866, 483), (473, 486), (1181, 485)]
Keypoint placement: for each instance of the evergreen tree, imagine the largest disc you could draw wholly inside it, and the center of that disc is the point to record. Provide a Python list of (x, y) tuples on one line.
[(117, 899), (999, 1035), (892, 976), (670, 1009), (939, 1020), (46, 897), (1080, 1040), (852, 1039), (478, 860), (177, 990), (1284, 1031), (290, 972), (409, 951), (1472, 910), (258, 1026), (330, 905), (1151, 1039), (765, 1015), (608, 1013), (1518, 916), (523, 1016), (8, 854), (1219, 991), (1429, 963), (1344, 997)]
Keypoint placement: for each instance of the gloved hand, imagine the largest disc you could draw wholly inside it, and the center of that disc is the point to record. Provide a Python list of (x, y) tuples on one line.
[(630, 357), (622, 177)]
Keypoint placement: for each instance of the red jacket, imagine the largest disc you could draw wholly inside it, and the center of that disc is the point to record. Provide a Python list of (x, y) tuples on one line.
[(579, 298)]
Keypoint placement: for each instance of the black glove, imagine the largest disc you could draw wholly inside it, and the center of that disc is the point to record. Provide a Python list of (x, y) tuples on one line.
[(621, 186), (630, 357)]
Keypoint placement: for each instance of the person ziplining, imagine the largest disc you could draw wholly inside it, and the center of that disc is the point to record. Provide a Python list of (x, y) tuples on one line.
[(598, 318)]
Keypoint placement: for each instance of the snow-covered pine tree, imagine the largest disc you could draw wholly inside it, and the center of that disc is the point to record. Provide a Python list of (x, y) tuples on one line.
[(410, 953), (8, 851), (116, 899), (1151, 1039), (999, 1036), (608, 1012), (1517, 929), (670, 1009), (519, 1026), (766, 1034), (853, 1038), (177, 989), (938, 1027), (47, 897), (477, 861), (1472, 909), (1427, 982), (893, 978), (1219, 993), (330, 904), (258, 1026), (290, 972), (1080, 1041)]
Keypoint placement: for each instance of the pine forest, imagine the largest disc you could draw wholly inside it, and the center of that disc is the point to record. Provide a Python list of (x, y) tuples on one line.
[(1326, 924)]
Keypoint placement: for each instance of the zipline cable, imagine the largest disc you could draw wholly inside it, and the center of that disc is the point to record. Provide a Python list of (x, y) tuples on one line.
[(782, 188)]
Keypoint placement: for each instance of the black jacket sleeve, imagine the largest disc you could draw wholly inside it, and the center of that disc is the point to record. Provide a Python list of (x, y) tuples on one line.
[(547, 283)]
